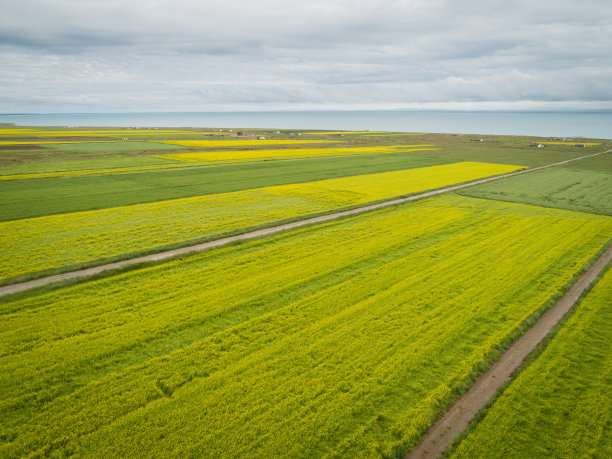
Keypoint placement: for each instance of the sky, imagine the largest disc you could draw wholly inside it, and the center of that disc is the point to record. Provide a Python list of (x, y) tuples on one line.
[(239, 55)]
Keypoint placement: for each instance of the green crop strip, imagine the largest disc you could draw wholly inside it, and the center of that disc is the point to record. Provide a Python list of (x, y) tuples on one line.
[(562, 187)]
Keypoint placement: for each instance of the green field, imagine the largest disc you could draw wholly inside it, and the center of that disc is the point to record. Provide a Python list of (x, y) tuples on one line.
[(504, 150), (565, 188), (559, 406), (277, 348), (34, 198), (600, 163), (79, 151), (84, 164)]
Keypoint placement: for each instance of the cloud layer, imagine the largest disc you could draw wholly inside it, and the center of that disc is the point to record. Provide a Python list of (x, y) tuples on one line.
[(164, 55)]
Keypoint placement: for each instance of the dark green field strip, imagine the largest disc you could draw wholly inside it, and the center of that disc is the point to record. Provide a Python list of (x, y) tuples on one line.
[(493, 149), (601, 163), (34, 198), (559, 406), (64, 152), (103, 147), (504, 149), (497, 152), (561, 187)]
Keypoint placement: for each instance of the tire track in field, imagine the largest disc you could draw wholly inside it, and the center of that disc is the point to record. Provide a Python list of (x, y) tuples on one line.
[(170, 254), (484, 388)]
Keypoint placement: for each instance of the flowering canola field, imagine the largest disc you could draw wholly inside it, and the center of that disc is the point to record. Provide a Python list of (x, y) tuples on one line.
[(13, 132), (566, 390), (37, 142), (89, 133), (240, 143), (258, 155), (54, 241), (344, 339)]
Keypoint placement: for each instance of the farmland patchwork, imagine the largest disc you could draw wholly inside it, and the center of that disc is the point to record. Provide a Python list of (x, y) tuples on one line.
[(55, 241)]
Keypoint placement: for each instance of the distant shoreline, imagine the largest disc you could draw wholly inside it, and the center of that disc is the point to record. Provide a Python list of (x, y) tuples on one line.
[(586, 124)]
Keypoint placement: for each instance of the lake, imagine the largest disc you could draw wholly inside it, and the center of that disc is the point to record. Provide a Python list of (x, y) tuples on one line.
[(558, 124)]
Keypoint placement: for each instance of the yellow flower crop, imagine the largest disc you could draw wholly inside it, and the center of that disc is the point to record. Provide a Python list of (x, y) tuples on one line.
[(89, 133), (36, 142), (340, 340), (240, 143), (566, 389), (58, 240), (89, 172), (258, 155), (16, 132)]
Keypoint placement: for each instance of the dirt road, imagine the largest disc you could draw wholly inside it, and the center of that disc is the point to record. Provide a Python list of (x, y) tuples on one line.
[(167, 255), (458, 417)]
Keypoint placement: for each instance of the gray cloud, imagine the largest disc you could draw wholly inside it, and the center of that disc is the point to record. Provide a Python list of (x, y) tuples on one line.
[(270, 54)]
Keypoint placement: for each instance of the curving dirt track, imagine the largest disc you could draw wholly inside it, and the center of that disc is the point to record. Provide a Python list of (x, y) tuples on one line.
[(169, 254), (457, 418)]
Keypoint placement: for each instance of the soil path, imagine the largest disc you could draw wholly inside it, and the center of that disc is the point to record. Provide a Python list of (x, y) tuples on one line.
[(169, 254), (457, 418)]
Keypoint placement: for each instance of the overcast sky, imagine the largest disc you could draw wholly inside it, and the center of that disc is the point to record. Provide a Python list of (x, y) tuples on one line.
[(209, 55)]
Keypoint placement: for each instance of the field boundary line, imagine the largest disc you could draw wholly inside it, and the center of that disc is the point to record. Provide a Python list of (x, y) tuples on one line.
[(457, 418), (217, 243)]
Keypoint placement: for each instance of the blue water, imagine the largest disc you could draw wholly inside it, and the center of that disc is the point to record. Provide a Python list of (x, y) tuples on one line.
[(559, 124)]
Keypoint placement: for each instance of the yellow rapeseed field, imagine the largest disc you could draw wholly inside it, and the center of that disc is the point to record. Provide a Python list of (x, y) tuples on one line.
[(97, 132), (54, 241), (240, 143), (257, 155), (566, 389), (342, 340), (90, 172), (36, 142), (17, 131)]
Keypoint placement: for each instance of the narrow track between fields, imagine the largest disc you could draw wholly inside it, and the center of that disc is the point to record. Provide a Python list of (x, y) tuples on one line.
[(457, 418), (169, 254)]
